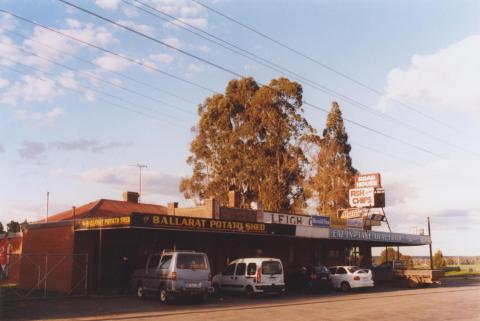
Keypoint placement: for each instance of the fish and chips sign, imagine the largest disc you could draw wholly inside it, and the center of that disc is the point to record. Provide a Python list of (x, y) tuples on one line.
[(362, 197)]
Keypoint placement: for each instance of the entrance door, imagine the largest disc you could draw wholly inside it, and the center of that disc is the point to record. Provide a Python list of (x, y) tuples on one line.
[(228, 278), (239, 279)]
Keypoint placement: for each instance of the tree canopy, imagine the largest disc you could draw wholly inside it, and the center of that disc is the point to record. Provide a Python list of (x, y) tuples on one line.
[(334, 170), (438, 260), (391, 254), (249, 140)]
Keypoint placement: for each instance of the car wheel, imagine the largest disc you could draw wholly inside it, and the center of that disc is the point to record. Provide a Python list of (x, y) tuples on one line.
[(140, 292), (345, 286), (249, 292), (164, 296)]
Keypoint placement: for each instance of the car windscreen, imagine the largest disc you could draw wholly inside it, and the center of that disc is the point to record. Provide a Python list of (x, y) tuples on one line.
[(271, 267), (192, 261)]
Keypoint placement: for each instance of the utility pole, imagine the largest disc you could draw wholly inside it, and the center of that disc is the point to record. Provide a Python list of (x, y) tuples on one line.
[(140, 167), (48, 198), (430, 245)]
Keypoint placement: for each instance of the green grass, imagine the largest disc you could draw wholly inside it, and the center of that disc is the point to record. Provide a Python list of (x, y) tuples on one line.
[(461, 273), (465, 270)]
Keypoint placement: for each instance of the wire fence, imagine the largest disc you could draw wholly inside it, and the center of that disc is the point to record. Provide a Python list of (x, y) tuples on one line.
[(29, 276)]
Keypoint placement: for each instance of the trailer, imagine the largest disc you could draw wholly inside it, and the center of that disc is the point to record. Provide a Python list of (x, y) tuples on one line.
[(394, 271)]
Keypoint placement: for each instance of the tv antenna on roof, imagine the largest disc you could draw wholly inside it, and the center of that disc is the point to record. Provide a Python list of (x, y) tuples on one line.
[(140, 167)]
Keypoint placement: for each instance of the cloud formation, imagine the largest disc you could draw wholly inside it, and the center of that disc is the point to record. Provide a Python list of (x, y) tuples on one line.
[(39, 119), (126, 177), (447, 79), (32, 150)]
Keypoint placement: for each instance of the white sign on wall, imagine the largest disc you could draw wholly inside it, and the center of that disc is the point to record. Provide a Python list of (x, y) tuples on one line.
[(362, 197), (290, 219)]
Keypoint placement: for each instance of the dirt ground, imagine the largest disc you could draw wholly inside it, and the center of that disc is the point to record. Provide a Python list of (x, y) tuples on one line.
[(456, 299)]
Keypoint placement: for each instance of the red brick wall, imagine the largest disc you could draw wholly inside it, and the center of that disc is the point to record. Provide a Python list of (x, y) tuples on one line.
[(238, 214), (43, 249)]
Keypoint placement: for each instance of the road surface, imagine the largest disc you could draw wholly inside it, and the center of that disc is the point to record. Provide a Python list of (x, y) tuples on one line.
[(457, 299)]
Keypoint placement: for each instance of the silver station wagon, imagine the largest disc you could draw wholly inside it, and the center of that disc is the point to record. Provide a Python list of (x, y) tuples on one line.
[(172, 274)]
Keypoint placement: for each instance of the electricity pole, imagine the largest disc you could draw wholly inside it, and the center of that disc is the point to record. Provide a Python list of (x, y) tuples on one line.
[(48, 199), (140, 167)]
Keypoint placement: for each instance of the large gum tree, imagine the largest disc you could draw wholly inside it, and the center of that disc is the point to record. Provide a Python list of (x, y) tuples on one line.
[(249, 139)]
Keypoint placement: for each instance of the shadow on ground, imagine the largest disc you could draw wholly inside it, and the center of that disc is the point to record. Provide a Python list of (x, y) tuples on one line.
[(124, 308)]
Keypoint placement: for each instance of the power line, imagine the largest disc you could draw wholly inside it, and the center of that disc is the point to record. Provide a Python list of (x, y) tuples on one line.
[(119, 74), (149, 116), (224, 69), (323, 65), (124, 57), (90, 75), (378, 132), (271, 65), (141, 34)]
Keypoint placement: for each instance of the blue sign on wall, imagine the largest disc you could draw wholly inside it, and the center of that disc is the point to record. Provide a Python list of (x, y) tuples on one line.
[(320, 221)]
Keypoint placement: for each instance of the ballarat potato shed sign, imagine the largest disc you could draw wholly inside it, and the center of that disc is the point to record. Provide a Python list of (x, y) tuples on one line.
[(139, 220)]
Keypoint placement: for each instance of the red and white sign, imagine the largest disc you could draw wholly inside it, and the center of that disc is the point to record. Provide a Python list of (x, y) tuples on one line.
[(368, 180), (362, 197)]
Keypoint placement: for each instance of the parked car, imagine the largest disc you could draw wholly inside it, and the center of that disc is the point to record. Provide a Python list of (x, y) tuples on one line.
[(308, 279), (251, 276), (350, 277), (172, 274)]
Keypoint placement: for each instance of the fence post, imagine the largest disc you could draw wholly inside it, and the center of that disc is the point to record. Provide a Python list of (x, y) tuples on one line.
[(46, 276), (86, 274)]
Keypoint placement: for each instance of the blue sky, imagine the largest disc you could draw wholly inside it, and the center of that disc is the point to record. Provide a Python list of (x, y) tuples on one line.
[(58, 133)]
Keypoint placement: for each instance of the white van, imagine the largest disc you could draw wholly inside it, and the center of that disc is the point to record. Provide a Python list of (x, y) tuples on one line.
[(251, 276)]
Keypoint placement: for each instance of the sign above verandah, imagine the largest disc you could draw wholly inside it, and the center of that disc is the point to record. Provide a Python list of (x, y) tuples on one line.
[(384, 237)]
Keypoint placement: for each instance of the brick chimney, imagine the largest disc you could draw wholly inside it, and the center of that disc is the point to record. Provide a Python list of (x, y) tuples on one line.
[(131, 197), (234, 199)]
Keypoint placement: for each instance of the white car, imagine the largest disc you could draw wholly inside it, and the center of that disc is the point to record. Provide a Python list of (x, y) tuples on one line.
[(350, 277), (251, 276)]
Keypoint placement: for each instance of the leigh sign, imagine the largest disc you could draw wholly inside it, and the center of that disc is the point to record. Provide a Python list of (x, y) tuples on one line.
[(362, 197), (368, 180)]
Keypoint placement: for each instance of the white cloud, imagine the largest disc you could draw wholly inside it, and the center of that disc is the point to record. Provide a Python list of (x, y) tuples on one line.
[(184, 8), (146, 29), (173, 41), (39, 119), (447, 79), (193, 69), (162, 57), (7, 22), (112, 63), (30, 89), (87, 32), (7, 50), (108, 4), (201, 48), (4, 82)]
